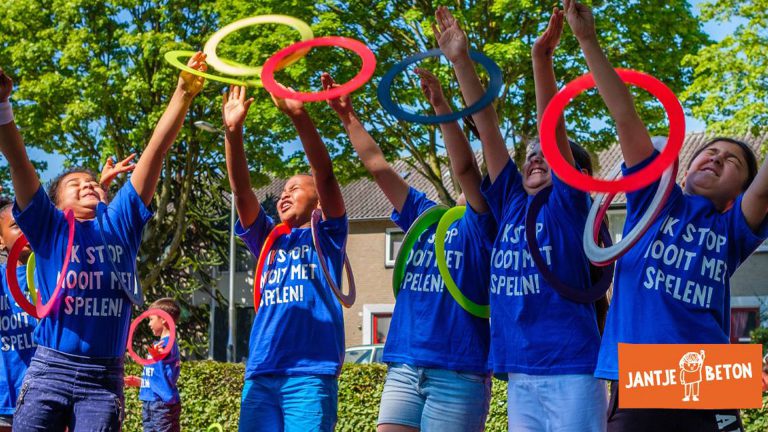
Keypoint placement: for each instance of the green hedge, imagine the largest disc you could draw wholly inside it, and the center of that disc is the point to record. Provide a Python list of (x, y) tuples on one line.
[(210, 393)]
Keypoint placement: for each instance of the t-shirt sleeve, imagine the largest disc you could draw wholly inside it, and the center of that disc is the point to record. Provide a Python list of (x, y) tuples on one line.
[(415, 204), (481, 226), (741, 237), (255, 235), (40, 222), (333, 232), (129, 214), (638, 201), (506, 191), (567, 197)]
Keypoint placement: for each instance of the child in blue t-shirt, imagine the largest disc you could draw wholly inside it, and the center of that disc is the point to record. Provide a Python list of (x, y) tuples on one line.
[(75, 379), (297, 339), (17, 343), (437, 352), (673, 286), (551, 386), (161, 405)]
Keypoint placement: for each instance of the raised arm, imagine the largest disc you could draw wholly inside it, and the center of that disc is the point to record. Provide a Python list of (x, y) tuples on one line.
[(150, 164), (463, 163), (754, 205), (633, 135), (389, 181), (234, 109), (23, 175), (453, 41), (544, 77), (328, 189)]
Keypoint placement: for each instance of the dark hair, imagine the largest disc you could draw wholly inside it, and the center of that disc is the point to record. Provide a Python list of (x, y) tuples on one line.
[(5, 205), (749, 156), (169, 306), (53, 185), (581, 156)]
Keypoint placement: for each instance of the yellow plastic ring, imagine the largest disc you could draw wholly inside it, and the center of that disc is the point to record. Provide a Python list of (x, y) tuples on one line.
[(236, 69), (172, 57), (31, 277)]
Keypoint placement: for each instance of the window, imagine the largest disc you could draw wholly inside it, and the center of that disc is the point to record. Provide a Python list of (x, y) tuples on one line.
[(380, 327), (394, 239), (616, 218), (376, 321), (743, 321), (357, 356)]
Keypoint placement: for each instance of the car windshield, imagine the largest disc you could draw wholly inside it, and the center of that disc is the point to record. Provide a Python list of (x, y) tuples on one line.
[(357, 356)]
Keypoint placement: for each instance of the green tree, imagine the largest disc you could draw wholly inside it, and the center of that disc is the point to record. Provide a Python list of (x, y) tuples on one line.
[(730, 86)]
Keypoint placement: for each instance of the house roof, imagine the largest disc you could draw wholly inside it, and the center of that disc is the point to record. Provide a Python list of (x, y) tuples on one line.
[(608, 159), (365, 201)]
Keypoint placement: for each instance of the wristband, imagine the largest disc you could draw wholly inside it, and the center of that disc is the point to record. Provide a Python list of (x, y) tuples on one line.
[(6, 113)]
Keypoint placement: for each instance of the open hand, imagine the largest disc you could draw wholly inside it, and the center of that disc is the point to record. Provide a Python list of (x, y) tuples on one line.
[(450, 37), (544, 47), (234, 108), (289, 107), (343, 104), (112, 169), (191, 83), (431, 88), (580, 19)]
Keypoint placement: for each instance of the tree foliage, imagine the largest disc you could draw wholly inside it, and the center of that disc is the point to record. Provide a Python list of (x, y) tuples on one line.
[(730, 86)]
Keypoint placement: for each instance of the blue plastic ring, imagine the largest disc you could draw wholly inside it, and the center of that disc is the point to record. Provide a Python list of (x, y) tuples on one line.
[(385, 95)]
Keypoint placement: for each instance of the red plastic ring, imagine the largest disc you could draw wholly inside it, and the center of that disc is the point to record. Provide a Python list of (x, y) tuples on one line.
[(279, 230), (157, 355), (632, 182), (38, 310), (359, 48)]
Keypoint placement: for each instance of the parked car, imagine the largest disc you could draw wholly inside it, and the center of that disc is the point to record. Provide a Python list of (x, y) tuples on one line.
[(362, 354)]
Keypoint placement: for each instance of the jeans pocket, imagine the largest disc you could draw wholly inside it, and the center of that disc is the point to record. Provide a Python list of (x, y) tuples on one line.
[(119, 409), (472, 377)]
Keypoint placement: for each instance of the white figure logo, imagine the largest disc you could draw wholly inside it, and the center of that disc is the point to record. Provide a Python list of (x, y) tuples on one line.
[(690, 374)]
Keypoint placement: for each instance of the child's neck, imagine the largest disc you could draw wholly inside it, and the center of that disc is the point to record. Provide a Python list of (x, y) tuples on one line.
[(166, 333)]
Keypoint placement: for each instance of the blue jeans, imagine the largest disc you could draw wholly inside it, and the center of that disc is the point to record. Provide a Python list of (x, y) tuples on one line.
[(156, 416), (435, 399), (289, 403), (64, 391), (565, 403)]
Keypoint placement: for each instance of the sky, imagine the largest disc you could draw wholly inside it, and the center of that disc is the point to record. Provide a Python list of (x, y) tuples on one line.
[(716, 30)]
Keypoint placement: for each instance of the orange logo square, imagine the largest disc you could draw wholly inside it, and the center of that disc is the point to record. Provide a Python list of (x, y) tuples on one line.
[(690, 376)]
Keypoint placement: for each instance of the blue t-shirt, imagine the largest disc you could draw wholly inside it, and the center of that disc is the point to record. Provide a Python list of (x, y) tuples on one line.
[(158, 380), (93, 313), (673, 286), (299, 329), (429, 328), (535, 330), (16, 341)]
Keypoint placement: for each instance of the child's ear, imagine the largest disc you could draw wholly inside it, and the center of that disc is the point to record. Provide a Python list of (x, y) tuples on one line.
[(584, 171), (685, 177)]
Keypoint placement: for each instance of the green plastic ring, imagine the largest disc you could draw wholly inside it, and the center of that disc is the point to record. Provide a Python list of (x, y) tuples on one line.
[(31, 277), (451, 216), (172, 57), (215, 427), (425, 220)]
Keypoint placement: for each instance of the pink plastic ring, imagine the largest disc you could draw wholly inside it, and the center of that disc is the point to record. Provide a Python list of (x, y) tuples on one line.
[(359, 48), (157, 355), (635, 181), (38, 310), (279, 230)]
